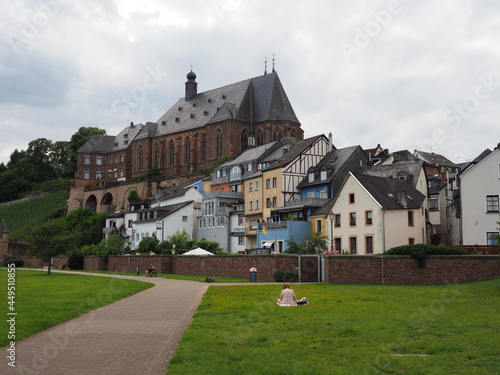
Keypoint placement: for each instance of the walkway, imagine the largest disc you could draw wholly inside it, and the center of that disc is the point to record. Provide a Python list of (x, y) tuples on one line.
[(136, 335)]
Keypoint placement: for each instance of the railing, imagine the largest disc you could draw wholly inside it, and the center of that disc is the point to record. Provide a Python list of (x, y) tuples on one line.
[(481, 249), (272, 226), (220, 193), (307, 202)]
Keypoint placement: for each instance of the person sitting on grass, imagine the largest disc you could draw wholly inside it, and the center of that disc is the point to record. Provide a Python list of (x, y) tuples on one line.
[(287, 297)]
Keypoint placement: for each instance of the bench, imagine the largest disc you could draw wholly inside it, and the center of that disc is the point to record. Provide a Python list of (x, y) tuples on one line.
[(150, 272)]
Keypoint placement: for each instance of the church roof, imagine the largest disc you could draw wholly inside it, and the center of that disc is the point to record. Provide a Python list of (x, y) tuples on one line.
[(253, 100), (107, 143)]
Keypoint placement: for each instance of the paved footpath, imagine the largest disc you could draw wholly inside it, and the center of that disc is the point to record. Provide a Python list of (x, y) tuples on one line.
[(136, 335)]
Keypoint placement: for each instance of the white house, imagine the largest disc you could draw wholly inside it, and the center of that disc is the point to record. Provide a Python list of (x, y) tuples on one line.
[(373, 214), (480, 191)]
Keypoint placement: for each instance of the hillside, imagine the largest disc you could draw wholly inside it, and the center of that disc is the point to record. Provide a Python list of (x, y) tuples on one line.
[(22, 216)]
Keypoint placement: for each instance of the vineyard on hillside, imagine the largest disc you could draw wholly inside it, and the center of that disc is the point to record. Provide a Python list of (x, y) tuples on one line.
[(22, 217)]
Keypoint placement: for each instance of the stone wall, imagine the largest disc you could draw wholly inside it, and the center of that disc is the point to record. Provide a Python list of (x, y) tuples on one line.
[(403, 269)]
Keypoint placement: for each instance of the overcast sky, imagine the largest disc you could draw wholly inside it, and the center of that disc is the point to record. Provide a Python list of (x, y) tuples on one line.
[(406, 74)]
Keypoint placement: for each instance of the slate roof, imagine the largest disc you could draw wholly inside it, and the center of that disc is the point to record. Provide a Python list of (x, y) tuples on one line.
[(385, 191), (105, 144), (164, 211), (3, 227), (334, 162), (411, 168), (294, 151), (254, 100), (436, 159)]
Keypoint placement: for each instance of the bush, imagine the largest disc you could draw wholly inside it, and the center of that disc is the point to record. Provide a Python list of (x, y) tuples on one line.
[(16, 261), (285, 276), (420, 251), (75, 261)]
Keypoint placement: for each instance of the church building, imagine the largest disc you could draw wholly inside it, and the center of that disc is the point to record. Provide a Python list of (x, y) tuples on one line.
[(194, 134)]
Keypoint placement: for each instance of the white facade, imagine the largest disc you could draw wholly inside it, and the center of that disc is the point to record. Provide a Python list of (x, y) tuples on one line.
[(480, 191), (374, 229)]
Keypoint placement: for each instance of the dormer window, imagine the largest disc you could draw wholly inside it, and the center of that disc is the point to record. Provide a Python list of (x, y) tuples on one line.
[(164, 123), (194, 104), (177, 119), (180, 108), (224, 96), (125, 135), (209, 100), (310, 177), (205, 113), (323, 174), (192, 115)]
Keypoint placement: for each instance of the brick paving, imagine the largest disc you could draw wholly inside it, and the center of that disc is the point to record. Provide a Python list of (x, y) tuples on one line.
[(136, 335)]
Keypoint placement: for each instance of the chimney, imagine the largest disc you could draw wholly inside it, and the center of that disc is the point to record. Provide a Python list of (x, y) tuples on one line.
[(402, 199), (330, 142)]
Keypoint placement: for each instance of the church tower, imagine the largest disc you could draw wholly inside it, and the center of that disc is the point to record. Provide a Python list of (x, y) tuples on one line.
[(191, 85), (4, 240)]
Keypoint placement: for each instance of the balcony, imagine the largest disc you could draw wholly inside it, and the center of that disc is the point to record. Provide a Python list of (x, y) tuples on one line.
[(223, 194), (311, 202)]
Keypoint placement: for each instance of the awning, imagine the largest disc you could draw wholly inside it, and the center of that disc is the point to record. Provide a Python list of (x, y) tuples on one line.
[(267, 244)]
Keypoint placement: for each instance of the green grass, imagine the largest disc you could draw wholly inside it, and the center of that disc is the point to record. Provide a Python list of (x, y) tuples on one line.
[(23, 216), (347, 329), (43, 301)]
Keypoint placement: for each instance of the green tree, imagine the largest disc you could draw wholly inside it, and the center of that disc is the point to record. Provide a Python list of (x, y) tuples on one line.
[(133, 196), (314, 243), (212, 246), (114, 244), (294, 247), (182, 241), (52, 239), (87, 224), (148, 244)]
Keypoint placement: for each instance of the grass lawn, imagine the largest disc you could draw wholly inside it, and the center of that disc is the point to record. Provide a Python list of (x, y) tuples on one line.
[(347, 329), (42, 301)]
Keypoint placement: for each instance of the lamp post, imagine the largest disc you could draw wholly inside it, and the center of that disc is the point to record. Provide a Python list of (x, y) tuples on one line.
[(331, 217)]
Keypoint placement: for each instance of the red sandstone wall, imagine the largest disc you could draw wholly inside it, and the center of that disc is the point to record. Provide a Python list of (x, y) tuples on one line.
[(404, 270)]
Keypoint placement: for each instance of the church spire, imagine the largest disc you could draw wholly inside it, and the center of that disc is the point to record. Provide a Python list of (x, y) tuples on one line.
[(191, 85)]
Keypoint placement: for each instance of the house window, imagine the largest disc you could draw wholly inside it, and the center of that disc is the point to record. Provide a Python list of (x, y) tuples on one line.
[(87, 159), (352, 245), (130, 223), (122, 157), (369, 244), (250, 187), (268, 183), (98, 175), (86, 175), (368, 217), (310, 194), (338, 243), (184, 219), (323, 175), (268, 202), (171, 152), (241, 220), (250, 208), (433, 204), (235, 173), (410, 219), (249, 167), (256, 204), (491, 238), (351, 198), (337, 221), (187, 151), (98, 160), (140, 158), (203, 152), (411, 241), (121, 172), (311, 177), (241, 240), (257, 185), (274, 202), (323, 194), (218, 143), (352, 219), (318, 226), (492, 203), (275, 181)]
